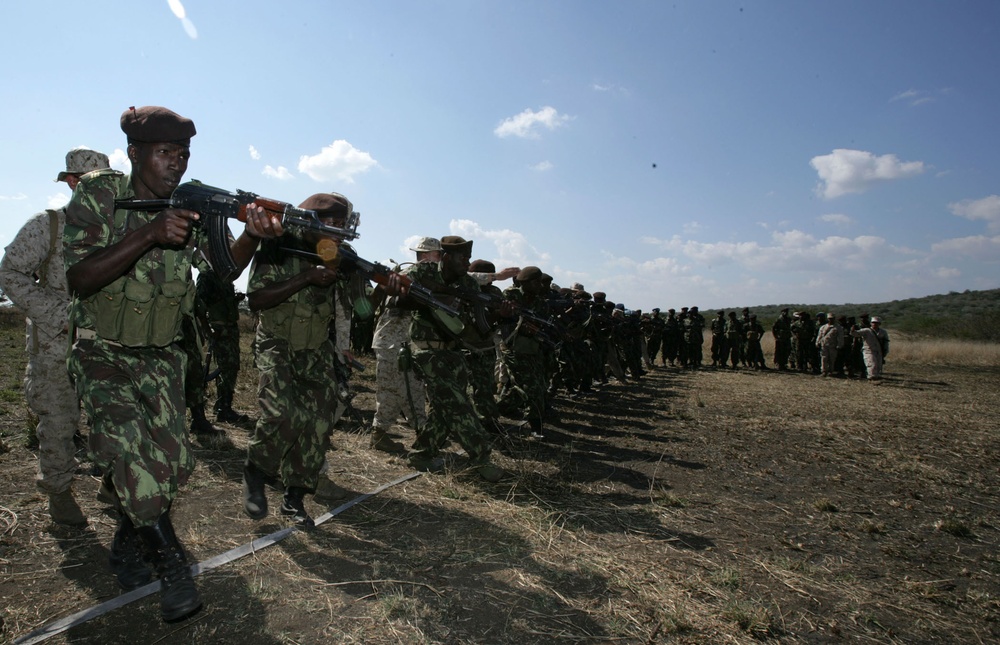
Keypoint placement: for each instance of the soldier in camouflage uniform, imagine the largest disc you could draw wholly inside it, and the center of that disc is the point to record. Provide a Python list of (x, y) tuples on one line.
[(754, 331), (734, 337), (397, 391), (782, 332), (437, 357), (130, 275), (297, 299), (480, 350), (654, 337), (720, 350), (672, 336), (694, 337), (32, 274), (221, 306)]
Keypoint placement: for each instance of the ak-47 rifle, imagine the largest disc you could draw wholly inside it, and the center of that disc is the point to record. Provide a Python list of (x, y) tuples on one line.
[(217, 206), (541, 327), (334, 254)]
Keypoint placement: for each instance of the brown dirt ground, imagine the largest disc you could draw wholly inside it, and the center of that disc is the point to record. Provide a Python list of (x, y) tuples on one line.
[(692, 507)]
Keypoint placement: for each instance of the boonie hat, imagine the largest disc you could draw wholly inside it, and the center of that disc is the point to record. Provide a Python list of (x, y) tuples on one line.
[(426, 244), (80, 161)]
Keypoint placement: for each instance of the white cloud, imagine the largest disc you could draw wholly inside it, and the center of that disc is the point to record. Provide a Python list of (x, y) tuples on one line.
[(11, 198), (690, 228), (976, 247), (119, 160), (542, 166), (57, 201), (837, 219), (254, 154), (946, 273), (277, 173), (512, 248), (339, 161), (855, 171), (526, 124), (986, 209)]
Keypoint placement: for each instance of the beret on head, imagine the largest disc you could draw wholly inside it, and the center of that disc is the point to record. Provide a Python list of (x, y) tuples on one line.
[(600, 296), (529, 273), (546, 278), (582, 295), (332, 205), (482, 266), (155, 124), (577, 286), (620, 306), (565, 292), (454, 244)]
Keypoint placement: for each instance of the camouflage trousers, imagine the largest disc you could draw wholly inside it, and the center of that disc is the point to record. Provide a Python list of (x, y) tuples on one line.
[(226, 354), (134, 398), (482, 380), (451, 414), (298, 401), (526, 389), (194, 373), (391, 398), (51, 397)]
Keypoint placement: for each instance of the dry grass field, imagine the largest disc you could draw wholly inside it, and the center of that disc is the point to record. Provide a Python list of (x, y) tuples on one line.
[(709, 506)]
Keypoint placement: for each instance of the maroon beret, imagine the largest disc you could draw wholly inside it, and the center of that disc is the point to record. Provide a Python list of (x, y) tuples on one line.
[(155, 124), (528, 274), (482, 266), (332, 205), (600, 296)]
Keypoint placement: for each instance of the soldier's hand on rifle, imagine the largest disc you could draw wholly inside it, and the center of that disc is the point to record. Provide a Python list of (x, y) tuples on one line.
[(261, 224), (396, 285), (320, 276), (173, 225), (506, 309)]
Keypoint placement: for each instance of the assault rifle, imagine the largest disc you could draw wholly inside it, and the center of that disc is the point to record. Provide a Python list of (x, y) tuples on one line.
[(538, 326), (217, 206), (332, 255)]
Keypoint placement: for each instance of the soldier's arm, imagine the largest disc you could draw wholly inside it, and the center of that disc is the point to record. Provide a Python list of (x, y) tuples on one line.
[(22, 261)]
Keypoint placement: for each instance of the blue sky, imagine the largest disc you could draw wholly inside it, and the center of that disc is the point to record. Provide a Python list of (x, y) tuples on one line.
[(671, 154)]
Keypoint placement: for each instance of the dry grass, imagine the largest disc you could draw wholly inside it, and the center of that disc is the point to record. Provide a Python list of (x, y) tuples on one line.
[(694, 507)]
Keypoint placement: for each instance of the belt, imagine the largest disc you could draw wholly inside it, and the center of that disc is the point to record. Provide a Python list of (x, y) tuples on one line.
[(432, 344), (82, 333)]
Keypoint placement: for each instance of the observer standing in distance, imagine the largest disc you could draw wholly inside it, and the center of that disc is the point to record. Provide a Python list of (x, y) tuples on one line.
[(33, 275)]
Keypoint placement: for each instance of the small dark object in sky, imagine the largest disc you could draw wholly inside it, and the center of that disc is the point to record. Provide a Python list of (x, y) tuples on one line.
[(654, 165)]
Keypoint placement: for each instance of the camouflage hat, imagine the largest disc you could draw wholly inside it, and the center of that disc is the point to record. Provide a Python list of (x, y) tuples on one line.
[(482, 266), (876, 319), (426, 245), (455, 244), (528, 274), (620, 306), (332, 205), (829, 315), (80, 161), (155, 124)]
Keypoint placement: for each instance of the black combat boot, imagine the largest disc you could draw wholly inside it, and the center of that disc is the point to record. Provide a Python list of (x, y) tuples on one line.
[(126, 559), (179, 597), (293, 504), (254, 499), (201, 425), (225, 413)]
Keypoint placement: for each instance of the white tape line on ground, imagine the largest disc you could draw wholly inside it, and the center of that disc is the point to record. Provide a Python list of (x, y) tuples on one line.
[(59, 626)]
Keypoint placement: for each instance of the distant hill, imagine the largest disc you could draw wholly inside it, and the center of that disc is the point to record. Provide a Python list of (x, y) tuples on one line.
[(969, 315)]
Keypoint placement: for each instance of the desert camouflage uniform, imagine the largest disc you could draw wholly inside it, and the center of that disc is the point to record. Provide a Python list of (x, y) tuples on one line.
[(395, 389), (296, 358), (129, 370), (33, 276), (875, 344), (441, 365), (829, 340)]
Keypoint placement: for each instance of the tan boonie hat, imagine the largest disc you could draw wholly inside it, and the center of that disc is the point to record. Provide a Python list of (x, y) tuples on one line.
[(80, 161), (427, 244)]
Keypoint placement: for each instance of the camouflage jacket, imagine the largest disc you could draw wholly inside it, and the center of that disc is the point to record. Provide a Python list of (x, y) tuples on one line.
[(424, 326)]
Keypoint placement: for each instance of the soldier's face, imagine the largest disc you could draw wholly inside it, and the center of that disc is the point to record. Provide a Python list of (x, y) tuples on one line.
[(157, 168), (456, 263)]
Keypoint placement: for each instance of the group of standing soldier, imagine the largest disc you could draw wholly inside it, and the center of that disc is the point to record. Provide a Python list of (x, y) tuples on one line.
[(454, 353)]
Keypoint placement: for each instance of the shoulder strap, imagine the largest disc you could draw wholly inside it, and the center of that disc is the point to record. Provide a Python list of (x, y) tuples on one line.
[(55, 238)]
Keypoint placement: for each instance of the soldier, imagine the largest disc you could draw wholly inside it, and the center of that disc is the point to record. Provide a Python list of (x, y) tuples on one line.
[(480, 350), (782, 332), (719, 347), (694, 337), (221, 305), (523, 351), (754, 331), (654, 337), (32, 275), (672, 336), (398, 391), (830, 341), (130, 275), (439, 362), (297, 300), (876, 347), (734, 336), (804, 341), (599, 335)]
